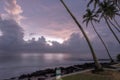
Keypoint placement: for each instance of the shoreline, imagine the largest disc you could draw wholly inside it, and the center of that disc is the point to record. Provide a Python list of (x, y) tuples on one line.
[(50, 72)]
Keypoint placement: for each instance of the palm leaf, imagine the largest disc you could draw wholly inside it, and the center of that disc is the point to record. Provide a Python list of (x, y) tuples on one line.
[(89, 3)]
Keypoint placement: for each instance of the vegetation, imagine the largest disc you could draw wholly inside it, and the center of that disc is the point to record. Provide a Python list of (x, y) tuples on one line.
[(90, 17), (107, 10), (118, 57), (97, 65), (102, 9), (117, 65), (107, 75)]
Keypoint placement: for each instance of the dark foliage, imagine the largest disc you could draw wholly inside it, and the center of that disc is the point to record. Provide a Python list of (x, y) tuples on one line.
[(118, 57)]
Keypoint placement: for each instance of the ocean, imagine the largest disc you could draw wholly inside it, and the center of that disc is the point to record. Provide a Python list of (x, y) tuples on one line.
[(17, 64)]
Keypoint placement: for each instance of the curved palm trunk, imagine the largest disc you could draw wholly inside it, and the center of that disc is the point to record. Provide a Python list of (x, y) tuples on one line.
[(102, 42), (116, 22), (97, 65), (114, 25), (112, 30)]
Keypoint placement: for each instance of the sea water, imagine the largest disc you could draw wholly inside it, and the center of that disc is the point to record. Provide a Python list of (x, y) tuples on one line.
[(16, 64)]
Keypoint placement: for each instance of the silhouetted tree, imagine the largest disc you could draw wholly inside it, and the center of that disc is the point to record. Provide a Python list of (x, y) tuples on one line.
[(98, 66), (90, 16), (118, 57), (108, 11)]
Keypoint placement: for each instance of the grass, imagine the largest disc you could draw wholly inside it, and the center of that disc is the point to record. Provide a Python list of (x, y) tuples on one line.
[(118, 65), (106, 75)]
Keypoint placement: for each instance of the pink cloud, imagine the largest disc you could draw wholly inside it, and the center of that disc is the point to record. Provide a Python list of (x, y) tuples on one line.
[(13, 10)]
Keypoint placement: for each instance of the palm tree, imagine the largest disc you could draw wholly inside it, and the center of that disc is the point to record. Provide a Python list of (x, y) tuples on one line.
[(108, 11), (95, 3), (116, 22), (90, 17), (115, 3), (97, 65), (116, 27)]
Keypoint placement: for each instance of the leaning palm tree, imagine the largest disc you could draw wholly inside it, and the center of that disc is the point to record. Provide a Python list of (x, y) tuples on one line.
[(90, 17), (97, 65), (108, 11), (116, 27), (115, 3), (95, 3)]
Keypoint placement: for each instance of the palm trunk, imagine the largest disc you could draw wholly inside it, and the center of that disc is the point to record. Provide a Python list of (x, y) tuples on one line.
[(112, 30), (116, 22), (97, 65), (102, 42), (114, 25)]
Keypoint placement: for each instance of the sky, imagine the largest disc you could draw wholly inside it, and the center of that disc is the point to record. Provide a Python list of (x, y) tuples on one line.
[(44, 26)]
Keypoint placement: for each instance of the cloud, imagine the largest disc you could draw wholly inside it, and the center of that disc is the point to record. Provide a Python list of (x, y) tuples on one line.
[(13, 10), (12, 41), (76, 44), (33, 46), (12, 35)]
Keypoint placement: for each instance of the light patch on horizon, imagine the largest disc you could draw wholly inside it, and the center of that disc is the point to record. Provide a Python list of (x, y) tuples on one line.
[(1, 33), (26, 55), (48, 39), (58, 56), (46, 56)]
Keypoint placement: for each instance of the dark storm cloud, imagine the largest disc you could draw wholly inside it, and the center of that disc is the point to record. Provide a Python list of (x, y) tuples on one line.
[(12, 35), (12, 39), (39, 46), (76, 44)]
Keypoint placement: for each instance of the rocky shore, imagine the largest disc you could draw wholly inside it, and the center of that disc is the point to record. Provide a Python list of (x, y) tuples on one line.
[(51, 72)]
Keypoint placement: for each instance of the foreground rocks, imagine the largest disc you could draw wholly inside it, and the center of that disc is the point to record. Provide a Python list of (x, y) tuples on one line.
[(48, 73)]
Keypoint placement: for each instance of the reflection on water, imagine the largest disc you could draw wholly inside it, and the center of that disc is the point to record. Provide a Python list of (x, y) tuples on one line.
[(46, 56), (55, 56), (14, 65)]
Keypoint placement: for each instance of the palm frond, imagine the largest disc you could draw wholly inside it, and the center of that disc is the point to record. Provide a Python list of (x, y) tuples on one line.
[(89, 3)]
